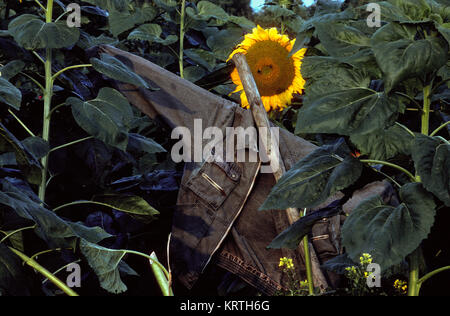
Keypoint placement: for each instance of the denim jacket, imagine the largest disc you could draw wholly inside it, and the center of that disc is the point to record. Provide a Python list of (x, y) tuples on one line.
[(217, 219)]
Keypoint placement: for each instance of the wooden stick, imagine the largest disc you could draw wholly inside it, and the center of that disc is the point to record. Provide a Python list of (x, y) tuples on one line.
[(272, 151)]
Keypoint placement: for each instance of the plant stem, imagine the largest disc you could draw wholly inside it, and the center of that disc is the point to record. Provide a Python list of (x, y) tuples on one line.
[(36, 266), (40, 4), (68, 68), (21, 123), (413, 286), (71, 143), (440, 128), (47, 103), (410, 132), (62, 268), (34, 80), (15, 232), (85, 202), (309, 274), (389, 164), (152, 259), (431, 274), (39, 57), (426, 110), (182, 32), (163, 282)]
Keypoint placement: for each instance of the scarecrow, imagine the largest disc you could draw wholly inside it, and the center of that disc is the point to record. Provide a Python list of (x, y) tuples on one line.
[(217, 224)]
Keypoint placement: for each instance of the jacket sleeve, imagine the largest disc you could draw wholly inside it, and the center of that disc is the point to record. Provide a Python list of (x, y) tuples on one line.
[(178, 102)]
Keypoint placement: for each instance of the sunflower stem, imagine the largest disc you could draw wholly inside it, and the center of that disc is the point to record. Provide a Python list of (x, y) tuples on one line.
[(36, 266), (414, 283), (182, 32), (309, 274), (48, 94)]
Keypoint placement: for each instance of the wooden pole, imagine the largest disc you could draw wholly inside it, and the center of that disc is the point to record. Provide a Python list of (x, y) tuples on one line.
[(272, 151)]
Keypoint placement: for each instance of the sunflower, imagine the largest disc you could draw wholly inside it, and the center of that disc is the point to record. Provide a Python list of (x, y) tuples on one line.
[(277, 74)]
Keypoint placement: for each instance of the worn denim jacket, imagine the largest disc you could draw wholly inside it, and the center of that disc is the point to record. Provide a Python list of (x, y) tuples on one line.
[(217, 219)]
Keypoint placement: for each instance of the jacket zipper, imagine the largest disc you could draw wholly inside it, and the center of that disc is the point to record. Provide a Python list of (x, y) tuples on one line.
[(234, 219)]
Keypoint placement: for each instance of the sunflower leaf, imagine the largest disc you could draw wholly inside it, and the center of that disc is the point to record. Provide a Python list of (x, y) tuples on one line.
[(389, 233), (432, 161), (339, 101), (30, 32), (315, 178), (341, 40), (402, 53), (384, 144)]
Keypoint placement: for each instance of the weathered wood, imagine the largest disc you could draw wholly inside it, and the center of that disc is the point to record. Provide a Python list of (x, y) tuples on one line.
[(272, 150)]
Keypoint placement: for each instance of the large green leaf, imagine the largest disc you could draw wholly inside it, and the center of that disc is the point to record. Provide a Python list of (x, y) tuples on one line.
[(127, 203), (315, 178), (118, 5), (50, 227), (167, 5), (384, 144), (207, 10), (106, 118), (338, 98), (292, 236), (141, 143), (151, 33), (444, 73), (242, 21), (346, 112), (340, 39), (13, 281), (59, 233), (325, 74), (432, 161), (389, 233), (445, 32), (402, 52), (9, 94), (38, 147), (11, 69), (117, 70), (26, 161), (122, 21), (32, 33), (202, 57), (404, 10), (105, 263), (223, 41)]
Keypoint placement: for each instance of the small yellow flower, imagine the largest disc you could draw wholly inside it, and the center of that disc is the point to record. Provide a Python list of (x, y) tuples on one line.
[(304, 284), (286, 262), (351, 269), (365, 259), (401, 286)]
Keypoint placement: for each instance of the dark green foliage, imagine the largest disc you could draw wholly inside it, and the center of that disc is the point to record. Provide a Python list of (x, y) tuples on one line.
[(389, 232), (432, 160), (315, 178), (367, 84)]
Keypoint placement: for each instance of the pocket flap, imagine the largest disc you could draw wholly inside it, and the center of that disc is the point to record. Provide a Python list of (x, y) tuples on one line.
[(214, 182)]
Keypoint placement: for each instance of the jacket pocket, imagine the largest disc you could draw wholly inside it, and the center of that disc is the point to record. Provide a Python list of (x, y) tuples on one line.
[(326, 238), (214, 182)]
